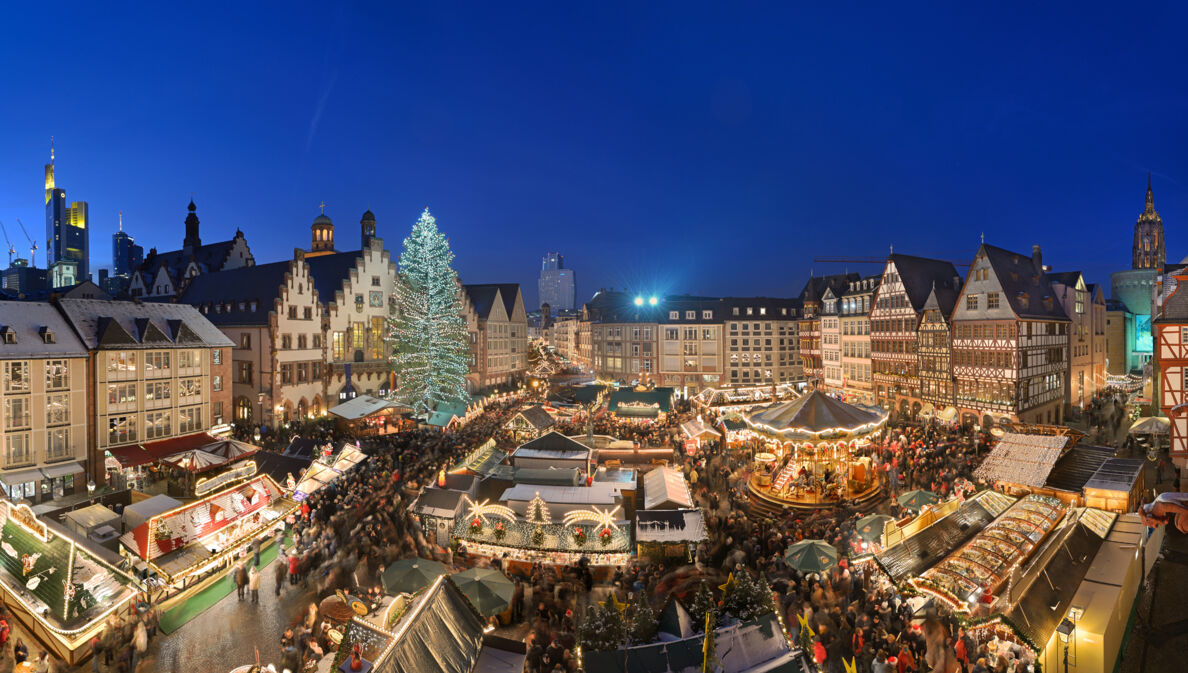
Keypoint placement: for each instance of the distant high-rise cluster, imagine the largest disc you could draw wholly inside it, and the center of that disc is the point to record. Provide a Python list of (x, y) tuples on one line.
[(557, 286)]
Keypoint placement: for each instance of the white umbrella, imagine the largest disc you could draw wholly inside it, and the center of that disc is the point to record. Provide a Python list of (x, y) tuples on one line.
[(194, 460), (1150, 425)]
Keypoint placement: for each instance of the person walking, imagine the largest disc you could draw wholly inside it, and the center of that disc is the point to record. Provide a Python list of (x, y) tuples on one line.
[(294, 567), (139, 643), (241, 580), (256, 552), (254, 584), (279, 571)]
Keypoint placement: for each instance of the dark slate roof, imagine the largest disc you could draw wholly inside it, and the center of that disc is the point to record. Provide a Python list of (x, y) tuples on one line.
[(772, 304), (439, 498), (115, 323), (538, 417), (483, 297), (918, 275), (928, 547), (815, 287), (329, 271), (942, 298), (812, 412), (1065, 278), (1034, 615), (1175, 307), (1077, 466), (442, 633), (210, 257), (1017, 275), (261, 284), (555, 442), (27, 319)]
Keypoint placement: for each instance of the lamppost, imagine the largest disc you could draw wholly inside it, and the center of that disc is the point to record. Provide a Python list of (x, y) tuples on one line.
[(91, 490), (1067, 632)]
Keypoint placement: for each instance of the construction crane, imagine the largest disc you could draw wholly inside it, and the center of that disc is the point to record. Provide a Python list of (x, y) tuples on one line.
[(32, 245), (11, 249), (862, 260)]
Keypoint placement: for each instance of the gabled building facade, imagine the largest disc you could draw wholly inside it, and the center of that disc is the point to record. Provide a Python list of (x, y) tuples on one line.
[(1084, 305), (1171, 360), (498, 327), (934, 350), (166, 274), (1010, 341), (895, 321), (831, 349), (809, 328)]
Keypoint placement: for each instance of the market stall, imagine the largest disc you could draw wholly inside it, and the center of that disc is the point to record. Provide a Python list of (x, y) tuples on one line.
[(818, 442), (54, 587), (669, 534), (367, 416), (696, 432), (641, 404), (529, 423)]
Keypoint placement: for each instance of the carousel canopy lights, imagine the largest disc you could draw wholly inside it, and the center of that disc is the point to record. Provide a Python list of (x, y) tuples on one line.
[(601, 518), (482, 510)]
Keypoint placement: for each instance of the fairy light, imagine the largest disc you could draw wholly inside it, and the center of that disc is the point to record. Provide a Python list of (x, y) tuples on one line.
[(601, 518), (482, 510)]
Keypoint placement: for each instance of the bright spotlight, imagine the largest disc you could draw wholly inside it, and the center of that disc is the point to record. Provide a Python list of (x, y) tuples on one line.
[(652, 301), (639, 301)]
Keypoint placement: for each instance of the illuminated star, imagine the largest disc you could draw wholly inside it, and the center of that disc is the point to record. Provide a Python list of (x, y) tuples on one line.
[(729, 585), (612, 601)]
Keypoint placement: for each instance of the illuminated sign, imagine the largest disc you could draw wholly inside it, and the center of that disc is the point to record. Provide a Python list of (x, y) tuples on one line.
[(1143, 342), (244, 471)]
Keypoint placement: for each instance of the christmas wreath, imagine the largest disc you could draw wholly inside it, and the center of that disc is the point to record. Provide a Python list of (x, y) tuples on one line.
[(604, 536), (579, 536), (500, 531), (476, 526), (537, 536)]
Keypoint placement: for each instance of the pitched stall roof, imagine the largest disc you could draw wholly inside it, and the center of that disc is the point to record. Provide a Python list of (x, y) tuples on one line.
[(1022, 459), (919, 274), (362, 406), (220, 294), (670, 525), (29, 321), (552, 445), (126, 325), (1018, 276), (1077, 467), (632, 402), (665, 488), (440, 633), (1116, 474), (537, 417)]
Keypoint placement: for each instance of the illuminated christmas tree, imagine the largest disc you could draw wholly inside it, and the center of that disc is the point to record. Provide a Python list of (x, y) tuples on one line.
[(430, 349)]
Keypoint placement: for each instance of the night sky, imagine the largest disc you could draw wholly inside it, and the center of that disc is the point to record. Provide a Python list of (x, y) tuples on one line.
[(666, 147)]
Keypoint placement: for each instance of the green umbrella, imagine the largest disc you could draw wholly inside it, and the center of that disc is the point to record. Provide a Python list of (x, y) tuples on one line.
[(811, 556), (411, 575), (488, 590), (870, 528), (916, 500)]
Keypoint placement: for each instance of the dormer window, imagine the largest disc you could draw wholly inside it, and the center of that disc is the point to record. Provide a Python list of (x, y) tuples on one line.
[(47, 335), (253, 305), (9, 334)]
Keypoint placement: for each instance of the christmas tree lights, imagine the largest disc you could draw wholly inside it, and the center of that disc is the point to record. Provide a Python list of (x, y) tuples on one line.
[(430, 346)]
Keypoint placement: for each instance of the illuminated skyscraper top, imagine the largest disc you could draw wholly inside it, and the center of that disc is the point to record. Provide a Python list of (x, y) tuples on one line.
[(49, 173), (66, 227)]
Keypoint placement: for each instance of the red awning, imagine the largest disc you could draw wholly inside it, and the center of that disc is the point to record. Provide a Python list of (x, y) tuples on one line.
[(130, 455), (167, 447)]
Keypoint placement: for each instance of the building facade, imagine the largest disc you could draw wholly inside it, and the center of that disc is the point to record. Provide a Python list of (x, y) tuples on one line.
[(498, 327), (762, 342), (831, 348), (1084, 305), (854, 315), (167, 274), (43, 403), (1010, 341), (934, 348), (895, 322), (557, 285), (1171, 360), (809, 327), (691, 357)]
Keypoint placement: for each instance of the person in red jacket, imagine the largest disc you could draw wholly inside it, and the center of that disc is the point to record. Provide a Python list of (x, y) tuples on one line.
[(293, 566), (819, 653)]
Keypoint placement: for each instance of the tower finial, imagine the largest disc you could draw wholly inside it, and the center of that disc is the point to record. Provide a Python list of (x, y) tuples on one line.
[(121, 220), (52, 151), (322, 205), (983, 235), (1150, 205)]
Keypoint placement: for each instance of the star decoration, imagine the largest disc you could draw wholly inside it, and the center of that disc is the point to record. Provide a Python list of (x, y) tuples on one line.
[(729, 585), (612, 601)]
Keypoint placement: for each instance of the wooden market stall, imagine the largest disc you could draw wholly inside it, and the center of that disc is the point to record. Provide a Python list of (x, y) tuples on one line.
[(367, 416)]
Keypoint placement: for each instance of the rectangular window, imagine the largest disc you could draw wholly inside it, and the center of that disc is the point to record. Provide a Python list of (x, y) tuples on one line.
[(121, 429), (216, 383), (188, 420), (216, 411), (707, 315), (286, 342), (157, 424), (971, 302), (188, 359), (339, 346), (216, 356), (57, 444), (121, 393), (158, 391), (308, 314), (286, 373), (57, 375), (302, 372), (377, 338), (57, 409), (156, 364), (191, 387), (674, 315), (292, 312), (16, 376), (19, 450), (245, 340), (301, 341), (121, 365), (16, 413), (991, 300), (243, 372), (357, 333)]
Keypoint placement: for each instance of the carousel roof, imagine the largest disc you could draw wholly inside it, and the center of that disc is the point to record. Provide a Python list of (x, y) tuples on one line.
[(813, 413)]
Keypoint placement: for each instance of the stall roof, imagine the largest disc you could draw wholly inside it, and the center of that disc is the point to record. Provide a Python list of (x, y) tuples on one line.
[(670, 525), (130, 455), (558, 476), (926, 548), (598, 493), (139, 512), (445, 413), (364, 406), (302, 447), (1025, 459), (440, 633), (279, 466), (642, 403), (553, 445), (665, 488), (1116, 474), (168, 447), (482, 460), (1034, 615), (697, 427), (1077, 467), (92, 516), (442, 502), (537, 417)]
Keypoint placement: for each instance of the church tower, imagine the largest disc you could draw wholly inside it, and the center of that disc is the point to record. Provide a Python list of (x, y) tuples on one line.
[(323, 235), (1149, 251), (367, 224), (192, 242)]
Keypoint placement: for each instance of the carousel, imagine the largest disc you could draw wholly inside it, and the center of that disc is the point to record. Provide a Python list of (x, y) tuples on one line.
[(814, 453)]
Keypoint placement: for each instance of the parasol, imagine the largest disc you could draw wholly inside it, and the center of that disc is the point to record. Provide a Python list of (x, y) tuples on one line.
[(916, 500), (1150, 425), (811, 556), (411, 575), (489, 591), (194, 460), (870, 528)]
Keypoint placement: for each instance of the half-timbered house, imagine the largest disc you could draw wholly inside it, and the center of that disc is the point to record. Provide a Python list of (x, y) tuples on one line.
[(934, 350), (1010, 341), (1171, 360)]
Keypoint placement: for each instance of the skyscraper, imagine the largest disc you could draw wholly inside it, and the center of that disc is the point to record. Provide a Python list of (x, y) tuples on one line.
[(557, 286), (66, 235), (126, 256)]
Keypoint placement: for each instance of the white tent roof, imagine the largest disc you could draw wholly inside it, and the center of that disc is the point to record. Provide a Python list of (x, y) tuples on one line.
[(363, 405), (1022, 459), (665, 488), (194, 459)]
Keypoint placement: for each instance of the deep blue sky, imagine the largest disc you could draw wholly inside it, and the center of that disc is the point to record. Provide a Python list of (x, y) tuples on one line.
[(668, 146)]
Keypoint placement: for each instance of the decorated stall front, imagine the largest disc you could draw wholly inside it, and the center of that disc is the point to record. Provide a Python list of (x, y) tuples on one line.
[(641, 404), (60, 592), (530, 423), (814, 452), (327, 467), (368, 416), (183, 543)]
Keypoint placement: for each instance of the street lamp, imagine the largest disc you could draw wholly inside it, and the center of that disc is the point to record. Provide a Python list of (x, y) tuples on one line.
[(1067, 632)]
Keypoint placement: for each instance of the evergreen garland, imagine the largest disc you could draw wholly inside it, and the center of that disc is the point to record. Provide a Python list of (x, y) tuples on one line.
[(430, 344)]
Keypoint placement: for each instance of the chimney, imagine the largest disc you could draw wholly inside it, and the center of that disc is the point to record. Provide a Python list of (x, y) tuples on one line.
[(1037, 259)]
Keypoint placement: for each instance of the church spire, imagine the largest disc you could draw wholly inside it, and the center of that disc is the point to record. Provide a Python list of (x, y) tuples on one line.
[(1149, 249), (1150, 197)]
